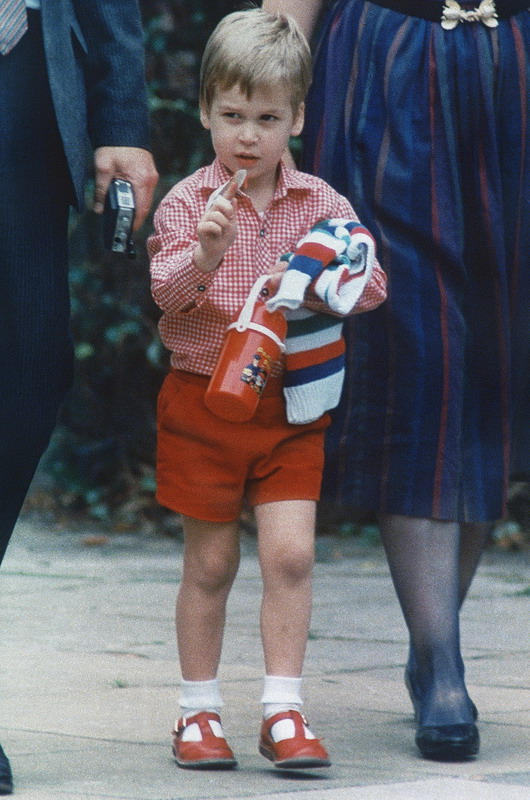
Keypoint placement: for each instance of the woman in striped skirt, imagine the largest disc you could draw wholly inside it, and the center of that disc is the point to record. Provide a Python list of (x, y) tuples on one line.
[(419, 115)]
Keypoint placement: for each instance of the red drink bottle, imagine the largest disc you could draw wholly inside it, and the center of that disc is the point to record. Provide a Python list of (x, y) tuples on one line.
[(253, 343)]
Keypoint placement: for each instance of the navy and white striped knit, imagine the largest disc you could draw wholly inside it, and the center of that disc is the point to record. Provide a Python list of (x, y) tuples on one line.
[(336, 259)]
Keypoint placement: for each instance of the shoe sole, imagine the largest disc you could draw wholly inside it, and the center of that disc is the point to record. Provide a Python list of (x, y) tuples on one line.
[(219, 763), (206, 763), (295, 763), (450, 751)]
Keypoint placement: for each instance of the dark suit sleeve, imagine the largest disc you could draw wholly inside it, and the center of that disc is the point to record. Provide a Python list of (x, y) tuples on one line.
[(114, 67)]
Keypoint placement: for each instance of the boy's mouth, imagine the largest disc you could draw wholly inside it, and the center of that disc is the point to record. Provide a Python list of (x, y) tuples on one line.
[(246, 157)]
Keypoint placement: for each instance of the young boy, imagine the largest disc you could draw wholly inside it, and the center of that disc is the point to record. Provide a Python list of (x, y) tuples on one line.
[(255, 73)]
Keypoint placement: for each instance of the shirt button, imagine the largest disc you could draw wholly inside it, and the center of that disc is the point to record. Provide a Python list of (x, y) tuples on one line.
[(201, 288), (262, 232)]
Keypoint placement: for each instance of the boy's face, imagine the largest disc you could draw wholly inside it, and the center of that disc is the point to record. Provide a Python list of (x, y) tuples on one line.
[(253, 133)]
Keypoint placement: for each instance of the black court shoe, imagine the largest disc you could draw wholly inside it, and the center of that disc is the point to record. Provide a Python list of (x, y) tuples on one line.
[(6, 778)]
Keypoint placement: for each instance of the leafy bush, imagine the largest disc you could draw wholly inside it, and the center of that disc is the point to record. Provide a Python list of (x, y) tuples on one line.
[(101, 459)]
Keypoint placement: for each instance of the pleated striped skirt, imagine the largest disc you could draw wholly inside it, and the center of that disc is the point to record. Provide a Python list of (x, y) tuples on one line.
[(426, 131)]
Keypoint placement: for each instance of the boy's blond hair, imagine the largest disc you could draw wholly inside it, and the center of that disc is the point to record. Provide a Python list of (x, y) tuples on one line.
[(253, 49)]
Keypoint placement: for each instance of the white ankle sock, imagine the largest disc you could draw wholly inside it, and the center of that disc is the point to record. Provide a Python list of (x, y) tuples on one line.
[(280, 694), (198, 696)]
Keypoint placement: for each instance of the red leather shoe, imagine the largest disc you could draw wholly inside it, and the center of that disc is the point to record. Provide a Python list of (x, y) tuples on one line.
[(287, 741), (199, 743)]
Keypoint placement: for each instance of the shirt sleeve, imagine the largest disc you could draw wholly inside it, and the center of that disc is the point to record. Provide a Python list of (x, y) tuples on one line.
[(114, 70), (177, 284), (344, 209)]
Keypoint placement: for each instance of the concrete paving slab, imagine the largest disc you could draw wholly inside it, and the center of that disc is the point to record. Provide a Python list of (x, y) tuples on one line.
[(442, 790), (88, 677)]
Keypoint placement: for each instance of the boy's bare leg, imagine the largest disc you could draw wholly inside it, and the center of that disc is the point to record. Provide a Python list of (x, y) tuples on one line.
[(211, 561), (286, 535), (286, 541)]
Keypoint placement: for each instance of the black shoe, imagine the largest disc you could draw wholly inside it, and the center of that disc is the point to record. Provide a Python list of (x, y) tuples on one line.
[(448, 742), (415, 700), (6, 778)]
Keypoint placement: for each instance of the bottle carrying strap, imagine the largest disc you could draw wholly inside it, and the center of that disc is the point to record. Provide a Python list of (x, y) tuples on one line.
[(244, 321)]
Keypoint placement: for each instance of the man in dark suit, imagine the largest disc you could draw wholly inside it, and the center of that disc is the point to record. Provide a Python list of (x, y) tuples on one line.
[(75, 77)]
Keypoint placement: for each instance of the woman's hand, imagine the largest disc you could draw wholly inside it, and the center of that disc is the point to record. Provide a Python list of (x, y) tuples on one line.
[(305, 12)]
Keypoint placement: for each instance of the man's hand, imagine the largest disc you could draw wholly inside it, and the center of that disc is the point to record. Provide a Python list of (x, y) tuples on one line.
[(217, 229), (132, 164)]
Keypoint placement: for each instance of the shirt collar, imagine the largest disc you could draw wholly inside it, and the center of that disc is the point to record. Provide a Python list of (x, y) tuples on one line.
[(215, 175), (292, 180)]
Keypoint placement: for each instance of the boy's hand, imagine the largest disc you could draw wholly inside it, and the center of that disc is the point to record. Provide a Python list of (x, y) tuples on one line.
[(217, 229), (276, 275)]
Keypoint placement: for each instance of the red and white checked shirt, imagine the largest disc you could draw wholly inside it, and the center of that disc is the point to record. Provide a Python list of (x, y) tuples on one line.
[(199, 306)]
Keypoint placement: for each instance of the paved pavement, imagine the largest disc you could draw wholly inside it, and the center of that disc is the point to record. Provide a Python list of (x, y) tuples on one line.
[(88, 676)]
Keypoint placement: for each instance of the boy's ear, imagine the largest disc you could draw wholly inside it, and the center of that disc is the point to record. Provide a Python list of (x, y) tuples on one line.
[(298, 122), (205, 117)]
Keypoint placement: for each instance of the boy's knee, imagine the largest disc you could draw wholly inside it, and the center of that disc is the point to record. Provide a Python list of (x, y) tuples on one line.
[(216, 571), (294, 563)]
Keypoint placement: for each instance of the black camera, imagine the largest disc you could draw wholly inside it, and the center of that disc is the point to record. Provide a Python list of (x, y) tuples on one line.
[(118, 218)]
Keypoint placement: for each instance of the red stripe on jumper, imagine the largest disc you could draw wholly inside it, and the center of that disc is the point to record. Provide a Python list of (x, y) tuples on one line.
[(317, 251), (308, 358)]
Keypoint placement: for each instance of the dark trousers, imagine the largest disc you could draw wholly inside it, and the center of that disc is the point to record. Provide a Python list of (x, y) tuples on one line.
[(36, 359)]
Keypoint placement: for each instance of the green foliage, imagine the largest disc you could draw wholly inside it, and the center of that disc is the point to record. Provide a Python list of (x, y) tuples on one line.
[(102, 454), (101, 459)]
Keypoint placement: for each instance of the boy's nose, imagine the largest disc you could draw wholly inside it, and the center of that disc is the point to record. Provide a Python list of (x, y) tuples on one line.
[(248, 134)]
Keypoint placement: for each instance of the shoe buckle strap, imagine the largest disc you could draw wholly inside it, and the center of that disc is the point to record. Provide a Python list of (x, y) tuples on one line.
[(181, 724)]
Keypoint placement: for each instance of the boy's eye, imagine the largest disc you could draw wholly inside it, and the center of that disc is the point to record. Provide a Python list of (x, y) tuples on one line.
[(231, 115), (268, 117)]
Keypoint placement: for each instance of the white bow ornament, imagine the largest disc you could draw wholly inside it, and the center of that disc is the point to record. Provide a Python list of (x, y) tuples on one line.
[(453, 14)]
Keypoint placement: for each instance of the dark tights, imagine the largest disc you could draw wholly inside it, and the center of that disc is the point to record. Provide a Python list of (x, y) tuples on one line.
[(432, 564)]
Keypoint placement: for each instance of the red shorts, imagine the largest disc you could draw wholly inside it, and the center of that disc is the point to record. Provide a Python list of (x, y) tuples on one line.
[(206, 466)]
